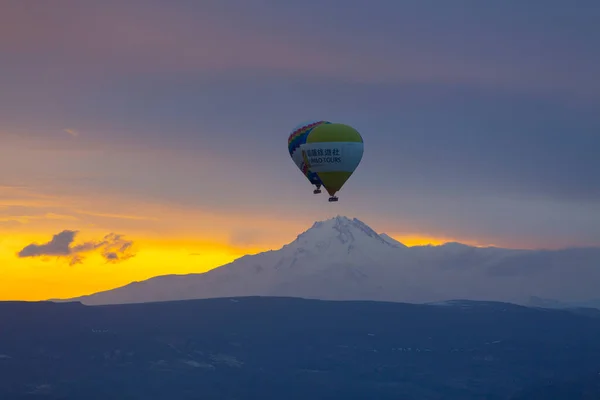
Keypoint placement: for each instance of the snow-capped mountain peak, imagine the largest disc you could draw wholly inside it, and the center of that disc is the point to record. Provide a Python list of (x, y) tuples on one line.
[(344, 259), (338, 232)]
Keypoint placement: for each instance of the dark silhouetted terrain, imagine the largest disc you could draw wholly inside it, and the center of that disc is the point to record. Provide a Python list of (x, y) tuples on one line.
[(284, 348)]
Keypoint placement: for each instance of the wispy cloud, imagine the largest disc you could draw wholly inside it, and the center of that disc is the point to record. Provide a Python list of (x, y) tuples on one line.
[(71, 132), (24, 196), (113, 248), (24, 219), (117, 216)]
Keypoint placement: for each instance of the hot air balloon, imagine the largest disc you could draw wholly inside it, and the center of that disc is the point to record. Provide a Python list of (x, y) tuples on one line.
[(333, 151), (296, 139)]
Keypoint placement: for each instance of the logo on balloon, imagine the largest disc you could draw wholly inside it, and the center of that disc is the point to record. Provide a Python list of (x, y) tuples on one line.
[(323, 156), (314, 161)]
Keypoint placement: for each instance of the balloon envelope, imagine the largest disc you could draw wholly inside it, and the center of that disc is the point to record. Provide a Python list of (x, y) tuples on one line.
[(296, 139), (333, 151)]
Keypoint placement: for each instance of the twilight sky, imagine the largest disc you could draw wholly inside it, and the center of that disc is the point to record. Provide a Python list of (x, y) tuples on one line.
[(150, 136)]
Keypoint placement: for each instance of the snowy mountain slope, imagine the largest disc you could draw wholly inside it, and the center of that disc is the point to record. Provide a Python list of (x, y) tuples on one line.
[(391, 240), (344, 259)]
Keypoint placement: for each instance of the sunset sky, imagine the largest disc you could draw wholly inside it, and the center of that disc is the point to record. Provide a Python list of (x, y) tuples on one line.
[(155, 132)]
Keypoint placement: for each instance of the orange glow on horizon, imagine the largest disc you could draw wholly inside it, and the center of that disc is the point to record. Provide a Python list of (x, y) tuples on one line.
[(415, 240), (48, 277), (425, 240), (167, 239), (53, 277)]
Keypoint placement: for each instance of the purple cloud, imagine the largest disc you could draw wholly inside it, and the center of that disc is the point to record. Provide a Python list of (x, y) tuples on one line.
[(113, 248)]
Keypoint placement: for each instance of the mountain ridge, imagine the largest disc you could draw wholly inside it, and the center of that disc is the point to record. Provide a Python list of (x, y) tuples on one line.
[(345, 259)]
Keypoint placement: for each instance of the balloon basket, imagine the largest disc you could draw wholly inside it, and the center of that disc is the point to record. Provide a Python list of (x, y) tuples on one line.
[(316, 191), (332, 199)]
